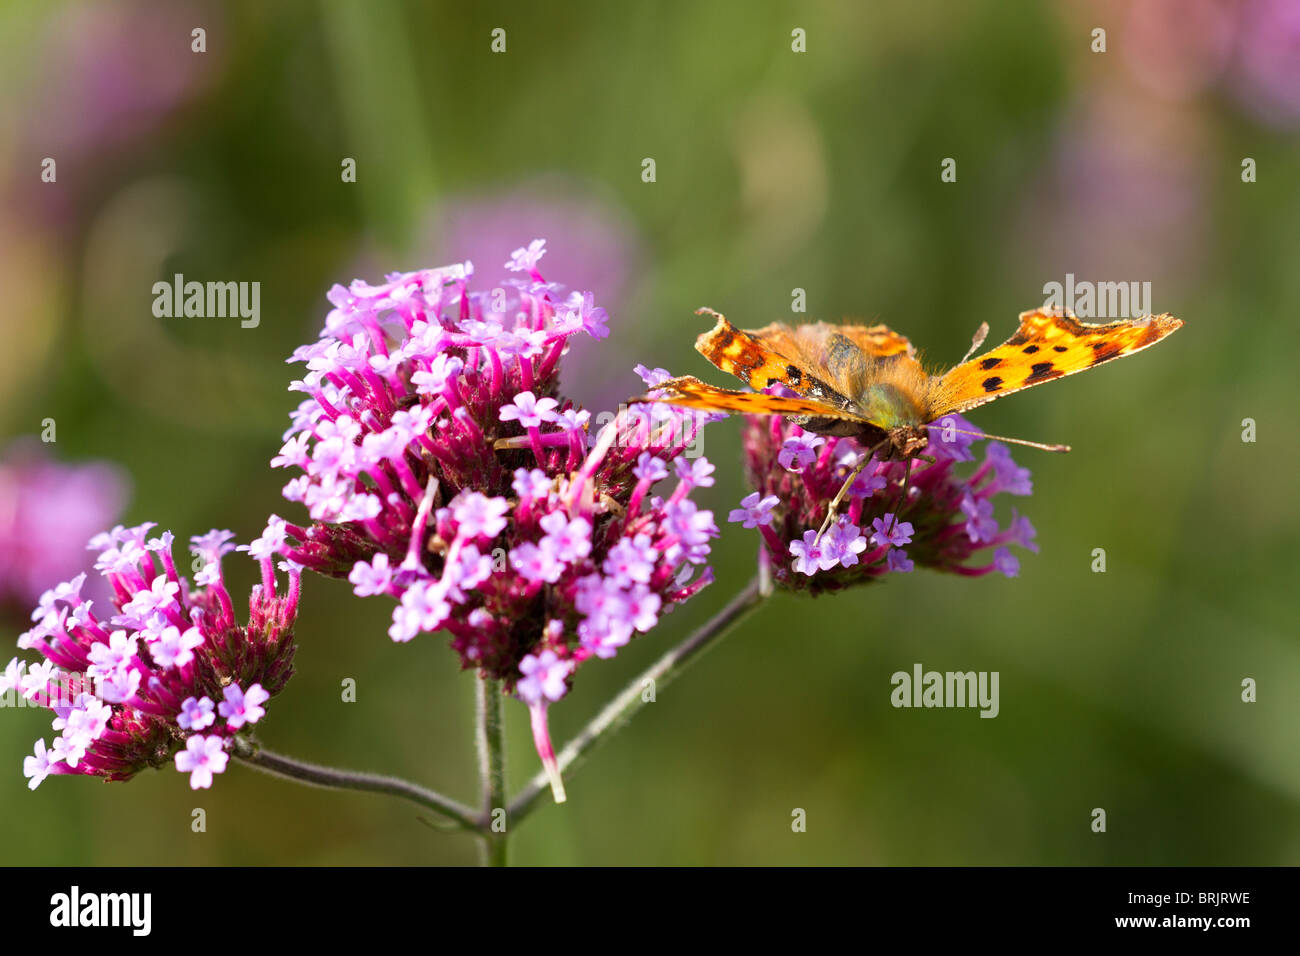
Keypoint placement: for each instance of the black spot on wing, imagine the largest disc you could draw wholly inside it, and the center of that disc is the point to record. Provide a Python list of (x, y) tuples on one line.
[(793, 374), (1041, 372), (989, 363), (992, 384), (1030, 349), (1059, 348), (1104, 351)]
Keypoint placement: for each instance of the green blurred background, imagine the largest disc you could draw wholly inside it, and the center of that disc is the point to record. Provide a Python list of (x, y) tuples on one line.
[(775, 170)]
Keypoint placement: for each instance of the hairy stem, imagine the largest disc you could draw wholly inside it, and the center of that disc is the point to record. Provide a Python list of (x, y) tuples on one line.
[(490, 734), (315, 775), (491, 742), (630, 700)]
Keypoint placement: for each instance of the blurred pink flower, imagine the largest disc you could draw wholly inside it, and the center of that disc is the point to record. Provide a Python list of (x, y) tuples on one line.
[(116, 71), (1123, 196), (48, 511), (1267, 69), (108, 75), (601, 250), (1178, 48)]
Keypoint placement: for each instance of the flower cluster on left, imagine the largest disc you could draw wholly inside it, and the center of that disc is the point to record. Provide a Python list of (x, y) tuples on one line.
[(443, 468), (166, 674)]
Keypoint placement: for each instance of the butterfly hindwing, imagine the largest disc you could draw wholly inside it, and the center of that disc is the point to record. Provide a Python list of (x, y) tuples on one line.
[(876, 341), (847, 358), (1046, 346)]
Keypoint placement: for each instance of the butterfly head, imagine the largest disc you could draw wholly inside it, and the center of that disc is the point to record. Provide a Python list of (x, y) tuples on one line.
[(886, 444), (905, 441)]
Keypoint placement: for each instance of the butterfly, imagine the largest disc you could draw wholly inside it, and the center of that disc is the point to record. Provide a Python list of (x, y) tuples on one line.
[(866, 382)]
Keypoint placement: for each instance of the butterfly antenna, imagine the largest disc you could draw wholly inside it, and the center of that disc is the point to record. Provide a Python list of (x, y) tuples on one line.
[(1011, 441)]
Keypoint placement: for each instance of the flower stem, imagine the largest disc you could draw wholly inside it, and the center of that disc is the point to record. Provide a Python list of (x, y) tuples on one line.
[(491, 742), (631, 699), (315, 775), (490, 733)]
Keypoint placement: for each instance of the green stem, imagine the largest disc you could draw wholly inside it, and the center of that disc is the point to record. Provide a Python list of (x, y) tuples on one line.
[(491, 742), (631, 699), (315, 775), (490, 732)]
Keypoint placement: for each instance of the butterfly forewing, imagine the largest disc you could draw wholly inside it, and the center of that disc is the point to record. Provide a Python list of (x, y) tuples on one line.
[(1045, 347), (767, 357), (690, 392)]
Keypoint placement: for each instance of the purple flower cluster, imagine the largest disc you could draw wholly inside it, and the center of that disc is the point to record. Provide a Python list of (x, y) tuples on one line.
[(146, 680), (944, 523), (441, 467)]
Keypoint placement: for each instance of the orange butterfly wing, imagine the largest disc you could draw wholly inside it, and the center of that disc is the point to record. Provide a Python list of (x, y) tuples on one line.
[(847, 357), (811, 345), (690, 392), (877, 341), (1046, 346), (770, 356)]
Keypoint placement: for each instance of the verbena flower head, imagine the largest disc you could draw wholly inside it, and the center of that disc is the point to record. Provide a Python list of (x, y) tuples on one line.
[(442, 468), (163, 672), (946, 523)]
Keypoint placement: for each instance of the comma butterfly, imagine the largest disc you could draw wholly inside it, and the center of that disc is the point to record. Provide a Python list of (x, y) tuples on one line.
[(865, 382)]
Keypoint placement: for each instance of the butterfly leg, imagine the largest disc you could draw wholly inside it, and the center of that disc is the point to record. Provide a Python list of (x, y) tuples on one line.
[(839, 496), (902, 496), (844, 488)]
